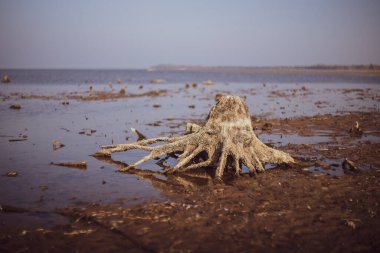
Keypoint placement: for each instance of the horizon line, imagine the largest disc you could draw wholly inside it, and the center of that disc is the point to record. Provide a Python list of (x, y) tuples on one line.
[(196, 66)]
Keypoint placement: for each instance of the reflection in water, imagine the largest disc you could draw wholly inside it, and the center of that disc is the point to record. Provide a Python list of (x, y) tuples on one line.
[(161, 180)]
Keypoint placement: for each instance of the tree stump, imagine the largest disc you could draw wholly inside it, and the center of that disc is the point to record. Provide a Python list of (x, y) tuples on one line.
[(227, 139)]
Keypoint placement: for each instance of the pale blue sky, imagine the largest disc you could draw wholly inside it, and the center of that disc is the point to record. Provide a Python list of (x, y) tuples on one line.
[(141, 33)]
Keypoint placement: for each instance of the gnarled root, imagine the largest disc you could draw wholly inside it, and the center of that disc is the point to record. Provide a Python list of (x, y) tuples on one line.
[(226, 139)]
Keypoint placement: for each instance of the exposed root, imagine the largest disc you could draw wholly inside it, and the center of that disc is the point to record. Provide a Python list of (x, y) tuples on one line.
[(227, 138)]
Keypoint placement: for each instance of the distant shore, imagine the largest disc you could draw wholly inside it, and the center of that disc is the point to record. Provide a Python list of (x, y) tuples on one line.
[(368, 70)]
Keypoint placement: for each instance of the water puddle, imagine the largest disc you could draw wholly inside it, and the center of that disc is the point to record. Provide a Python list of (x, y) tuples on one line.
[(285, 139)]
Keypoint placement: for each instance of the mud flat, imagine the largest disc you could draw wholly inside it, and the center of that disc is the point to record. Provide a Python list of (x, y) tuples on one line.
[(282, 209), (287, 210), (329, 202)]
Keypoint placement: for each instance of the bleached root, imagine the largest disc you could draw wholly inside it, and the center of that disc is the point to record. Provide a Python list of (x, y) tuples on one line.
[(107, 150), (226, 140), (217, 151)]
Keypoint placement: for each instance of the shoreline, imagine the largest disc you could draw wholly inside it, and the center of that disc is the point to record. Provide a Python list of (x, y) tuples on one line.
[(359, 70), (262, 213), (282, 209), (326, 203)]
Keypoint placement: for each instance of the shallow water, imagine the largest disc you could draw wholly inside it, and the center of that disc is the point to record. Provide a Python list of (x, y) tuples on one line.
[(141, 76), (41, 186)]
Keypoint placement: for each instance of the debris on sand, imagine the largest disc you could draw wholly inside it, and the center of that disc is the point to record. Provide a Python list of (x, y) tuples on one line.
[(11, 174), (15, 140), (66, 102), (349, 166), (5, 79), (43, 187), (351, 224), (207, 83), (140, 136), (122, 92), (15, 107), (79, 232), (12, 209), (267, 126), (157, 81), (156, 123), (156, 105), (87, 131), (80, 165), (355, 130), (57, 145), (322, 165)]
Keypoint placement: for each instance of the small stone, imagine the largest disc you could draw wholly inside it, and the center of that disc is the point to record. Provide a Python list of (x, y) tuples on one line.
[(5, 79), (267, 126), (355, 130), (208, 83), (122, 92), (351, 224), (57, 145), (12, 174), (349, 166), (15, 107), (157, 81)]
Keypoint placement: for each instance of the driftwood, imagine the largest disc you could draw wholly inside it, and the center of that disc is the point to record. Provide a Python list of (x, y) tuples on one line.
[(226, 140), (80, 165)]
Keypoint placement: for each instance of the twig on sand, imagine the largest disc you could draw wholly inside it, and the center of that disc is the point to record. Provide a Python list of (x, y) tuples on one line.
[(80, 165)]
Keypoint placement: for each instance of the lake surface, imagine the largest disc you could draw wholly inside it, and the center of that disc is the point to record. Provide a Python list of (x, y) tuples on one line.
[(43, 119), (141, 76)]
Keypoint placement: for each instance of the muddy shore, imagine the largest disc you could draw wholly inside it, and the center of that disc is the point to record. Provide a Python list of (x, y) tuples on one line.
[(328, 202), (300, 209), (286, 210)]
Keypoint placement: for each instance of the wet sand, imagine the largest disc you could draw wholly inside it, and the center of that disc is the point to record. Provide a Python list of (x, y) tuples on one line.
[(320, 205), (283, 209)]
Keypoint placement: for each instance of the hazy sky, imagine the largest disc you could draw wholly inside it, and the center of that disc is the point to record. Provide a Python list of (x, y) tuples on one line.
[(141, 33)]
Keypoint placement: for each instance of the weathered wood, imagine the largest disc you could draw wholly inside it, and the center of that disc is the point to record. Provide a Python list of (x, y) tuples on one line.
[(80, 165), (227, 139)]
